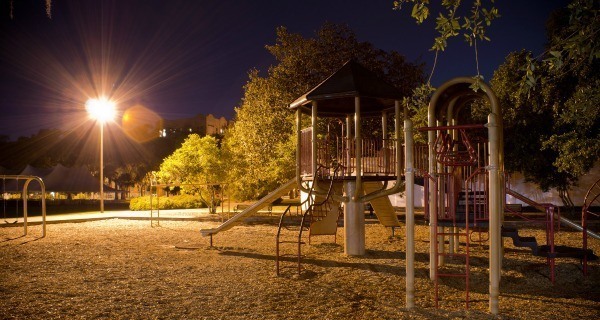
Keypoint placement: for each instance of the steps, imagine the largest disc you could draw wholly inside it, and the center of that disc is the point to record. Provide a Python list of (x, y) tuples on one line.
[(519, 241), (545, 250)]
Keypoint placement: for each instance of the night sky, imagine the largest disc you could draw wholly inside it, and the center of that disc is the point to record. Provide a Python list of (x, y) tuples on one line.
[(180, 58)]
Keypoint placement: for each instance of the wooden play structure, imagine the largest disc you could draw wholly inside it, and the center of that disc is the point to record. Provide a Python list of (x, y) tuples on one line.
[(358, 148)]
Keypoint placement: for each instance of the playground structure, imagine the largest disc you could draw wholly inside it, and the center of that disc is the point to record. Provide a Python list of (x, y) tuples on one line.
[(14, 186), (347, 157)]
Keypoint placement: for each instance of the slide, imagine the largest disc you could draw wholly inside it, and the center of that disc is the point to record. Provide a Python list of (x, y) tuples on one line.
[(383, 206), (254, 208), (328, 225)]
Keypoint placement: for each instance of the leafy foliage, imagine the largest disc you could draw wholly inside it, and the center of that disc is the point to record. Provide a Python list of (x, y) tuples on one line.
[(261, 142), (448, 24), (527, 121), (183, 201), (198, 161), (551, 102)]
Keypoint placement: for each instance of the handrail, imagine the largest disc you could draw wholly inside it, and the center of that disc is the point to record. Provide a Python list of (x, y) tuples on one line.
[(28, 179), (587, 203), (539, 206)]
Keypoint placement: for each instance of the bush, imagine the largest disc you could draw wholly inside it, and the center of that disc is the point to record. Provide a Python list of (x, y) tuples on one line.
[(184, 201)]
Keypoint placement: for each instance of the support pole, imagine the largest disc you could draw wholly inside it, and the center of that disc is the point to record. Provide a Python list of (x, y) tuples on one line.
[(495, 212), (431, 121), (349, 144), (101, 167), (358, 193), (385, 146), (314, 116), (410, 214), (354, 222)]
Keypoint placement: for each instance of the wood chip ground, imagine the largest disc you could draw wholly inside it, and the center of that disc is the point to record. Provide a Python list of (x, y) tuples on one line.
[(124, 269)]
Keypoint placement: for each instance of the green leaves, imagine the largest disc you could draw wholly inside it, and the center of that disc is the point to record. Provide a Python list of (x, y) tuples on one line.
[(477, 85), (447, 23), (420, 11)]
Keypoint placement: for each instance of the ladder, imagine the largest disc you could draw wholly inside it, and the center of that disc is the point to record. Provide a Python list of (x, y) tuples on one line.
[(298, 221)]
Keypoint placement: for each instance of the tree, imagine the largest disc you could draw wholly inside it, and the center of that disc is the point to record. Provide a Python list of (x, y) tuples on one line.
[(198, 161), (528, 122), (261, 141), (572, 61), (551, 102)]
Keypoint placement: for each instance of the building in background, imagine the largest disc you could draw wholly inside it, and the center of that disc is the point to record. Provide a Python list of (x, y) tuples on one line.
[(199, 124)]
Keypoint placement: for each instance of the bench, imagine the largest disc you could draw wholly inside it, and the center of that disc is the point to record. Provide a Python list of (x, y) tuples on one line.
[(243, 206)]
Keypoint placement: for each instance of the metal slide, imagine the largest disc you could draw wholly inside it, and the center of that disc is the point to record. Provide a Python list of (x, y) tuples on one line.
[(255, 207), (564, 221), (383, 206)]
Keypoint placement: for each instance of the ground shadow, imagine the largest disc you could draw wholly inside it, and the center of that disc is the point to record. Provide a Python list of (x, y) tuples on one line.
[(363, 264)]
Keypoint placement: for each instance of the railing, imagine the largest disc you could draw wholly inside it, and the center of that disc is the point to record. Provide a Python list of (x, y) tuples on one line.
[(592, 197), (477, 192), (24, 194), (378, 155)]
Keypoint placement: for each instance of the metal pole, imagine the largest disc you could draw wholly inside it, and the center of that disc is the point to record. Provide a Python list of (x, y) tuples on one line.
[(410, 214), (101, 167), (495, 188)]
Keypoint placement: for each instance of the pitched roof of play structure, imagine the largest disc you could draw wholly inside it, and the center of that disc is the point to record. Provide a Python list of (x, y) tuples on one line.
[(335, 95)]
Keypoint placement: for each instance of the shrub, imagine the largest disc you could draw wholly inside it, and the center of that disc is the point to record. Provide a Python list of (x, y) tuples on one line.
[(184, 201)]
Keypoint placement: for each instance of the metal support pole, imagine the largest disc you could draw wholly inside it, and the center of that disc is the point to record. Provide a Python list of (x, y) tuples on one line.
[(315, 153), (354, 222), (385, 146), (349, 143), (495, 213), (101, 167), (410, 214), (358, 152)]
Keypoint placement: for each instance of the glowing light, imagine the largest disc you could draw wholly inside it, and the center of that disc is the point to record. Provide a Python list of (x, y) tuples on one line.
[(101, 109)]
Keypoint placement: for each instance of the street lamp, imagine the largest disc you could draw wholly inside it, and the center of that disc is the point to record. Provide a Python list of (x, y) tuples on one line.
[(101, 110)]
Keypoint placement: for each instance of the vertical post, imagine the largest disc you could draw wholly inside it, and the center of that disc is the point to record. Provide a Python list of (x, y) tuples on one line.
[(298, 146), (495, 212), (314, 139), (358, 152), (101, 166), (385, 143), (354, 222), (441, 208), (410, 213), (349, 143), (24, 197), (432, 203), (354, 216)]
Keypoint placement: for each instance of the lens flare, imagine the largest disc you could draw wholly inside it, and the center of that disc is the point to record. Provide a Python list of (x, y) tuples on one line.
[(141, 124)]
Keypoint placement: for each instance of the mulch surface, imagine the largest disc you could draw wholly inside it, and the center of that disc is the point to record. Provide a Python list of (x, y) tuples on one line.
[(125, 269)]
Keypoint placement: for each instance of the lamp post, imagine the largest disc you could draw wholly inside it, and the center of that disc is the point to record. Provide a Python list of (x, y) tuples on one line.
[(101, 110)]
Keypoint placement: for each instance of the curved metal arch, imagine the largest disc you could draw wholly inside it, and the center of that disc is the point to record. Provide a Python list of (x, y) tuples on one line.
[(453, 95)]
